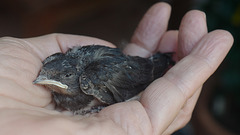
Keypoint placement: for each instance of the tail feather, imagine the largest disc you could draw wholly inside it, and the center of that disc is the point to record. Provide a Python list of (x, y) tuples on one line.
[(162, 62)]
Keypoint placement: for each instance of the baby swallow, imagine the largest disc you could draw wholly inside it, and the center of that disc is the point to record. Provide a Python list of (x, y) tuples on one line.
[(86, 79)]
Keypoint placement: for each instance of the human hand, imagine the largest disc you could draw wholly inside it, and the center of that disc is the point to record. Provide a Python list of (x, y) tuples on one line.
[(166, 105)]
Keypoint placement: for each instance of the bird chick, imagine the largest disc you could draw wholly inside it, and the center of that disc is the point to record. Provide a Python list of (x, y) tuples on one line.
[(86, 79)]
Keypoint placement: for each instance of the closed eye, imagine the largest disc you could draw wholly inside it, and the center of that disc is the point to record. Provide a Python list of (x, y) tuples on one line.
[(68, 75)]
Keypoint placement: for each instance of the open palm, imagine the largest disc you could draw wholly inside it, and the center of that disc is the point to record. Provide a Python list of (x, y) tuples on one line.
[(165, 106)]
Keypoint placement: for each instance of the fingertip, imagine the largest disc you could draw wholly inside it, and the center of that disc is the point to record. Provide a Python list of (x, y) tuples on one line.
[(225, 35), (169, 41), (151, 28), (221, 39), (195, 13), (161, 5), (213, 48), (192, 28), (136, 50)]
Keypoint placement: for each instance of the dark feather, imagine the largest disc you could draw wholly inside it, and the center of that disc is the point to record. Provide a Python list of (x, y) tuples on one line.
[(102, 73)]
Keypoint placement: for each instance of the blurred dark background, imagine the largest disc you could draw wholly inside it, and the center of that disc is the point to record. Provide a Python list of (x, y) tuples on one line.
[(218, 109)]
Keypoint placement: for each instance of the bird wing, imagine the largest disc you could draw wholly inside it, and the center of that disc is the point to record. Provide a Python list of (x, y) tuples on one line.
[(116, 79)]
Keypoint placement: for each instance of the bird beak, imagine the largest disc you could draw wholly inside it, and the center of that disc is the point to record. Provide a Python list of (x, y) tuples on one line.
[(52, 84)]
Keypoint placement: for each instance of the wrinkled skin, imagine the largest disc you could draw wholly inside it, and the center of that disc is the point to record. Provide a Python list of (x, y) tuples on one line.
[(166, 105)]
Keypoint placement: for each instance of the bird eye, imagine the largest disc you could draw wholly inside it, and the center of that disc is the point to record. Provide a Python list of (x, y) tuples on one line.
[(68, 75)]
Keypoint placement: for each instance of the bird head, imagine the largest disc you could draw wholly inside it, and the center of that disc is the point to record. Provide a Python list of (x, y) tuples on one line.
[(59, 74)]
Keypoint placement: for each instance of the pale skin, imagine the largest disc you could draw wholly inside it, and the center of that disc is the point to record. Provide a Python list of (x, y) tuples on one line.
[(165, 106)]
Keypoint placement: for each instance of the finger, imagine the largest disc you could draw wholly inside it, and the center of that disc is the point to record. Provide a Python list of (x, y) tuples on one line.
[(169, 43), (184, 115), (192, 28), (149, 30), (49, 44), (165, 97)]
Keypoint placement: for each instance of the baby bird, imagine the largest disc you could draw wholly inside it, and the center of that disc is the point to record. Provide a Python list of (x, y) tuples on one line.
[(86, 79)]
